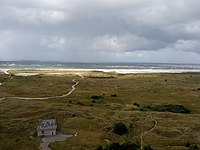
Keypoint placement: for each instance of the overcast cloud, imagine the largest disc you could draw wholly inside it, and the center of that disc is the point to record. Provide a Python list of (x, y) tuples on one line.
[(100, 30)]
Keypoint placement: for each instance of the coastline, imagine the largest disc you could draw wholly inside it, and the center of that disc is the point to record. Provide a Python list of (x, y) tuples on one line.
[(122, 71), (47, 96)]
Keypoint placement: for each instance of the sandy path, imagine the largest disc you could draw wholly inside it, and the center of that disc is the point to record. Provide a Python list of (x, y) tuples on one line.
[(5, 71), (81, 76), (142, 135), (60, 137), (43, 98), (2, 98), (73, 87)]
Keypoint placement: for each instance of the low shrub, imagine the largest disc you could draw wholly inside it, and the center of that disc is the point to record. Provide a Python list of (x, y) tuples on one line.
[(99, 147), (114, 95), (148, 147), (192, 146), (168, 108), (120, 128), (80, 103), (124, 146), (136, 104), (96, 97)]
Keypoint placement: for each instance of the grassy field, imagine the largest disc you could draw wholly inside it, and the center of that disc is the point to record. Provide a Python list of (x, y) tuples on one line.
[(94, 120)]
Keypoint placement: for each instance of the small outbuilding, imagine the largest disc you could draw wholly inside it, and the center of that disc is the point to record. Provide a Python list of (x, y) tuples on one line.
[(47, 127)]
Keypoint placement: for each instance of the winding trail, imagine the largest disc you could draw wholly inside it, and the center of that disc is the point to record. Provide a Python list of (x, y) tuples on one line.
[(59, 137), (2, 98), (142, 135), (82, 77), (5, 71), (73, 87), (44, 98)]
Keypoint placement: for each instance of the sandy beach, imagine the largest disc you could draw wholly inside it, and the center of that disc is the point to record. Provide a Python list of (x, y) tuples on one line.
[(5, 71), (67, 94), (26, 74), (57, 71)]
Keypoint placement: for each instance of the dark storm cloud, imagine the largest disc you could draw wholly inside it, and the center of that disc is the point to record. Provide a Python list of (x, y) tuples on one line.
[(100, 30)]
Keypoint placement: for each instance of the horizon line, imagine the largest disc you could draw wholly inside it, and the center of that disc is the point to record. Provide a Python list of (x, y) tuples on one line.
[(91, 62)]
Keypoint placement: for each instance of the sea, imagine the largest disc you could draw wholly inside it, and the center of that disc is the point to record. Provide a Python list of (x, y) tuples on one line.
[(117, 67)]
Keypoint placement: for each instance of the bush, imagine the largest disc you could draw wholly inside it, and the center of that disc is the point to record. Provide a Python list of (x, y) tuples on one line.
[(148, 147), (168, 108), (124, 146), (114, 95), (194, 147), (96, 97), (113, 146), (80, 103), (130, 146), (187, 145), (99, 147), (136, 104), (120, 128)]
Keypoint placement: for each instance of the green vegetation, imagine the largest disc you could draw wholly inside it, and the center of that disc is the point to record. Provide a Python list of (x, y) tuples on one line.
[(148, 147), (96, 97), (114, 95), (124, 146), (118, 146), (120, 128), (168, 108), (192, 146), (94, 122)]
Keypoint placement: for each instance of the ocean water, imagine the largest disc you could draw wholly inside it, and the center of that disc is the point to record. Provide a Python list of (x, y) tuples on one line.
[(120, 67)]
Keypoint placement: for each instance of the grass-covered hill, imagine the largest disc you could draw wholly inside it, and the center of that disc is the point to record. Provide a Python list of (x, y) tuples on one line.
[(144, 103)]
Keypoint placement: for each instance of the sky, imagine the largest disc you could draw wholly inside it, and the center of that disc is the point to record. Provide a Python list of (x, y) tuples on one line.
[(162, 31)]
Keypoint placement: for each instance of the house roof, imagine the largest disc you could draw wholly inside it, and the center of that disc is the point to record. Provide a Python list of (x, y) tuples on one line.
[(49, 124)]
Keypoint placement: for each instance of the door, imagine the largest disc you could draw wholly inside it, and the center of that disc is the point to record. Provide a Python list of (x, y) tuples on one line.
[(52, 133)]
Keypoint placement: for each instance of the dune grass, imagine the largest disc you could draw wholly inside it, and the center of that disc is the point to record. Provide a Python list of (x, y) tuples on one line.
[(94, 121)]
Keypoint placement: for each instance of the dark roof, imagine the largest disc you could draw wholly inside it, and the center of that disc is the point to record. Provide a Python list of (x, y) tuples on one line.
[(47, 125)]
